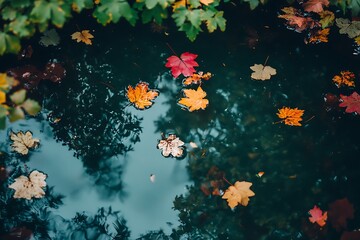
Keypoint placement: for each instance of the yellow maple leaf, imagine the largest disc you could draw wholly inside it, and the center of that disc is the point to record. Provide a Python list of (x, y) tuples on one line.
[(238, 193), (346, 78), (195, 99), (262, 72), (197, 77), (83, 36), (141, 96), (291, 116)]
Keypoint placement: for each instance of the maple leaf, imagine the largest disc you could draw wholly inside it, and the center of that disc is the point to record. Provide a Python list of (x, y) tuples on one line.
[(194, 99), (239, 193), (352, 103), (23, 142), (29, 187), (291, 116), (178, 4), (319, 36), (318, 216), (196, 78), (171, 146), (83, 36), (339, 211), (315, 5), (141, 96), (346, 78), (296, 19), (262, 72), (182, 65), (352, 29), (327, 18)]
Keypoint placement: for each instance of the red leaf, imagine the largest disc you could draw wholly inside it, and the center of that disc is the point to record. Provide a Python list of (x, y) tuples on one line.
[(339, 212), (315, 5), (183, 65), (318, 216), (352, 103)]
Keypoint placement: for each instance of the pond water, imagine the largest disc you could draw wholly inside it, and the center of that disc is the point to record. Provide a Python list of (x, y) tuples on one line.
[(99, 151)]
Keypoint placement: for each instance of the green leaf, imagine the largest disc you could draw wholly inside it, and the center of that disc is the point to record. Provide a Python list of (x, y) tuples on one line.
[(218, 21), (180, 16), (9, 43), (194, 3), (16, 114), (253, 3), (20, 3), (8, 13), (190, 30), (18, 97), (194, 17), (41, 11), (21, 27), (2, 122), (113, 10), (157, 14), (32, 107), (354, 5), (56, 11), (79, 5)]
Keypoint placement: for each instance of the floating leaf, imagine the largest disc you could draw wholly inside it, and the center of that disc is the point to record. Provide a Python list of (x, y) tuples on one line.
[(296, 19), (141, 96), (195, 99), (196, 78), (352, 103), (23, 142), (316, 215), (291, 116), (315, 5), (327, 18), (319, 36), (29, 187), (50, 37), (262, 72), (239, 193), (83, 36), (32, 107), (346, 78), (18, 97), (182, 65), (171, 146), (352, 29)]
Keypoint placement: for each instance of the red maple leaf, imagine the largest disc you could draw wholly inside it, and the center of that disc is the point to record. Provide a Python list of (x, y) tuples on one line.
[(182, 65), (339, 212), (318, 216), (315, 5), (352, 103)]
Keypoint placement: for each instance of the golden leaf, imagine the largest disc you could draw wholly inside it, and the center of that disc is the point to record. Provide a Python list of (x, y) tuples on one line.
[(194, 99), (29, 187), (2, 97), (262, 72), (141, 96), (83, 36), (196, 78), (178, 4), (291, 116), (346, 78), (23, 142), (239, 193), (327, 18)]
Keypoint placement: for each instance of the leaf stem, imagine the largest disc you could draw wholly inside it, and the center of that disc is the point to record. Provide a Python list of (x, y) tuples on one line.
[(266, 60), (227, 181), (310, 119)]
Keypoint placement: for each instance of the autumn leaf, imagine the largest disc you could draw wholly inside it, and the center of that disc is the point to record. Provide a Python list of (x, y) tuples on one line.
[(315, 5), (352, 103), (23, 142), (296, 19), (2, 97), (141, 96), (262, 72), (182, 65), (171, 146), (206, 2), (352, 29), (291, 116), (83, 36), (195, 99), (319, 36), (178, 4), (327, 18), (316, 215), (238, 193), (29, 187), (346, 78), (196, 78)]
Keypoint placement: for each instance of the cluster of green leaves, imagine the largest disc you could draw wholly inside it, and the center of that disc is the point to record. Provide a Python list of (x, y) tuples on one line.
[(352, 5), (13, 103)]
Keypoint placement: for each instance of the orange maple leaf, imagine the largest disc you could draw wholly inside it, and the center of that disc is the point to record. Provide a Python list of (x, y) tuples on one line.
[(238, 193), (319, 36), (83, 36), (141, 96), (196, 78), (195, 99), (316, 215), (346, 78), (291, 116)]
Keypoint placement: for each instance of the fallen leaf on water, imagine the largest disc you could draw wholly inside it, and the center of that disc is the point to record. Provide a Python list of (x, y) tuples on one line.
[(315, 5), (346, 78), (262, 72), (171, 146), (195, 99), (196, 78), (352, 29), (83, 36), (23, 142), (291, 116), (50, 37), (141, 96), (182, 65), (296, 19), (352, 103), (260, 174), (319, 36), (29, 187), (327, 18), (238, 193), (316, 215)]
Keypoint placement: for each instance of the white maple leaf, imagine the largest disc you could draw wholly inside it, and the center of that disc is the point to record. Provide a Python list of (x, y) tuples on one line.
[(23, 142), (29, 187), (171, 146)]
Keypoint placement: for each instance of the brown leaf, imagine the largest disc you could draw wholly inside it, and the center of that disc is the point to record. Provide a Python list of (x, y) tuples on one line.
[(83, 36)]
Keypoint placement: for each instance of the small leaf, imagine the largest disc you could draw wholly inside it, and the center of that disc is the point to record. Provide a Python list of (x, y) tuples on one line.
[(182, 65), (352, 103), (141, 96), (262, 72), (238, 193), (50, 37), (346, 78), (83, 36), (32, 107), (195, 99), (22, 142), (18, 97), (171, 146), (291, 116), (29, 187), (318, 216)]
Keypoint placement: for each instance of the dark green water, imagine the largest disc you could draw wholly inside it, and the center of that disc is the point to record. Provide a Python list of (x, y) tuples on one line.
[(102, 152)]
